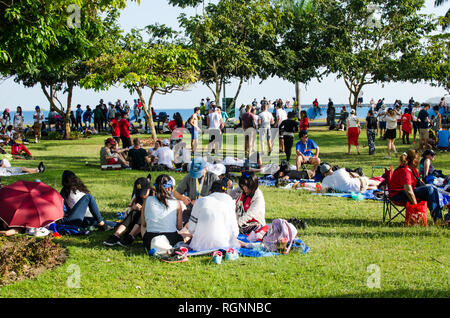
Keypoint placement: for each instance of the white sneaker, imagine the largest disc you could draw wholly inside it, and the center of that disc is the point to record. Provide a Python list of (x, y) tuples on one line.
[(387, 157)]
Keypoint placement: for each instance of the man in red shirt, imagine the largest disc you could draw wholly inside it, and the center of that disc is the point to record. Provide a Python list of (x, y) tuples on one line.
[(115, 130), (124, 127), (403, 185)]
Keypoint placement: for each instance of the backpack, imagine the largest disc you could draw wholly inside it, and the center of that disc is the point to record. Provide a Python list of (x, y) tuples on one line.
[(280, 236), (65, 229)]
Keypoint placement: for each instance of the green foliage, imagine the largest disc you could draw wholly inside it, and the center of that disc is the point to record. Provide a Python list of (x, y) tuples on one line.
[(185, 3), (234, 39), (363, 52)]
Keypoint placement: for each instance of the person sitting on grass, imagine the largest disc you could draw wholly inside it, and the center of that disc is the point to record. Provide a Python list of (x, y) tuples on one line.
[(131, 225), (213, 221), (81, 207), (304, 154), (18, 149), (107, 157), (162, 214), (139, 159), (164, 155), (194, 185), (443, 138), (427, 171), (250, 204), (6, 170), (406, 186), (342, 181)]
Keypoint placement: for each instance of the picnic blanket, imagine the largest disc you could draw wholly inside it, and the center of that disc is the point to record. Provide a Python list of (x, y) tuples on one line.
[(270, 181), (298, 246), (368, 195)]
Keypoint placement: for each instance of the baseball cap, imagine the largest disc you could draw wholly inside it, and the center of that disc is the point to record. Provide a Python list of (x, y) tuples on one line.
[(166, 142), (141, 186), (37, 107), (111, 141), (197, 166), (324, 168)]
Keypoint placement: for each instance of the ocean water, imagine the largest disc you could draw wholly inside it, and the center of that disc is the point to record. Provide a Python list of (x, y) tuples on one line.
[(185, 113)]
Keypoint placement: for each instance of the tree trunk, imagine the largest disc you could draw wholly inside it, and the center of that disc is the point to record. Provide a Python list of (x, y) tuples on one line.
[(67, 114), (218, 90), (297, 95), (148, 111), (233, 102)]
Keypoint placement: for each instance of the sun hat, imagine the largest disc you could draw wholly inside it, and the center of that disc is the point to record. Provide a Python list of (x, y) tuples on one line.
[(324, 168), (197, 166)]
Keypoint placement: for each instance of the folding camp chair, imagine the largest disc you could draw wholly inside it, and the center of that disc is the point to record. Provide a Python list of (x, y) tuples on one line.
[(391, 207)]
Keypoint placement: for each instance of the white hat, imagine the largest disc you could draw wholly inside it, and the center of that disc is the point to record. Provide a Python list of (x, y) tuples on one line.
[(166, 142)]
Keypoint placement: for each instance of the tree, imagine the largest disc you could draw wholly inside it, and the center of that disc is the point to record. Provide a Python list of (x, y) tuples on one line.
[(366, 48), (303, 47), (157, 64), (234, 39), (42, 46)]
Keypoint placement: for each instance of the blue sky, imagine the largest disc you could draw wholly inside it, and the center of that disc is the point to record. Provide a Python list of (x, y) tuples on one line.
[(152, 11)]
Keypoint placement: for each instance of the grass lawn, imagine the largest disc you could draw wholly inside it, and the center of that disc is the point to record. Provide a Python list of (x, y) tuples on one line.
[(346, 237)]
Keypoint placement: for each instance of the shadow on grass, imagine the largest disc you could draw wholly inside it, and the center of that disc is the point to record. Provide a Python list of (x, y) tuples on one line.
[(399, 293), (376, 235), (334, 222)]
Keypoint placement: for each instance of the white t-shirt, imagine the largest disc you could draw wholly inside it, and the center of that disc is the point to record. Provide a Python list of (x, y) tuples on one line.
[(165, 156), (281, 114), (265, 117), (214, 120), (213, 223), (391, 122), (38, 117), (158, 217), (341, 181), (74, 197), (18, 121)]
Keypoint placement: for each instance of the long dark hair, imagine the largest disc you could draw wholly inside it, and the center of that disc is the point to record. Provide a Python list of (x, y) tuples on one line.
[(72, 183), (19, 112), (250, 180), (162, 194), (178, 119)]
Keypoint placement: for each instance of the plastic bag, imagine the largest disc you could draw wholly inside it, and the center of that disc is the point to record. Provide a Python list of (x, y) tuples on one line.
[(416, 214)]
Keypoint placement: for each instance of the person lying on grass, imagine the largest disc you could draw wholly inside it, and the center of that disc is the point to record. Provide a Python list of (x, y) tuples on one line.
[(131, 225), (213, 221), (6, 170), (342, 181), (162, 214), (250, 204), (81, 207), (9, 231)]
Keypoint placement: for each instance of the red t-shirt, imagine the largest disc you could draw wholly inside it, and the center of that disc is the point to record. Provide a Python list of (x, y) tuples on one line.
[(406, 123), (304, 124), (401, 176), (124, 127), (115, 128), (177, 132), (17, 149)]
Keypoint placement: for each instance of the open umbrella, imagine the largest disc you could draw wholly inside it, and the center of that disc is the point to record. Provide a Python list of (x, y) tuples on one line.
[(30, 204)]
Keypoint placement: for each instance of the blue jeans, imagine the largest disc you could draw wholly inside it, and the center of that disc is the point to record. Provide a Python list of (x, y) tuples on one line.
[(76, 215), (424, 193)]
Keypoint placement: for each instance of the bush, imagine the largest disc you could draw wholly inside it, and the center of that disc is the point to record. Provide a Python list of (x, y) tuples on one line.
[(53, 135), (76, 135), (22, 257)]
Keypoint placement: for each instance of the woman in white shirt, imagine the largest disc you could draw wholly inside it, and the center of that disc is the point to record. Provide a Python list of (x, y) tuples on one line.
[(391, 129), (82, 209), (353, 131), (18, 120), (163, 214)]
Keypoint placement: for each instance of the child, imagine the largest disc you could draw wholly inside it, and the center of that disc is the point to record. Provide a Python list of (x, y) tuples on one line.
[(17, 149), (406, 126)]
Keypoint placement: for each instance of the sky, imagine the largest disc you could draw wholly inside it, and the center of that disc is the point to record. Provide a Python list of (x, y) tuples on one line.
[(159, 11)]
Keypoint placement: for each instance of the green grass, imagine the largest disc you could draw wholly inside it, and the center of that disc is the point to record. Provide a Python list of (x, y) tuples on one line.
[(345, 237)]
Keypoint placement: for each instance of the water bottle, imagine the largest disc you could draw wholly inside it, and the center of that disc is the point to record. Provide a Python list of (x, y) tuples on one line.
[(37, 180)]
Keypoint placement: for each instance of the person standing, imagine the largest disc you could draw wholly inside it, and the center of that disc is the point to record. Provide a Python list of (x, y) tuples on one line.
[(115, 130), (353, 131), (87, 115), (398, 116), (281, 116), (38, 119), (214, 122), (265, 121), (78, 115), (288, 127), (406, 126), (18, 121), (97, 118), (249, 127), (124, 127), (424, 126), (436, 123), (443, 105), (382, 121), (104, 118), (112, 112), (194, 129), (391, 131), (414, 113), (371, 125)]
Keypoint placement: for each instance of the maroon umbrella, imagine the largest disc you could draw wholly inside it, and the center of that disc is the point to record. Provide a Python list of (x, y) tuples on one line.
[(30, 204)]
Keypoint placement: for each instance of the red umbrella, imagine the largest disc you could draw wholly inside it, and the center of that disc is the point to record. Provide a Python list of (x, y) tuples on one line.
[(30, 204)]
